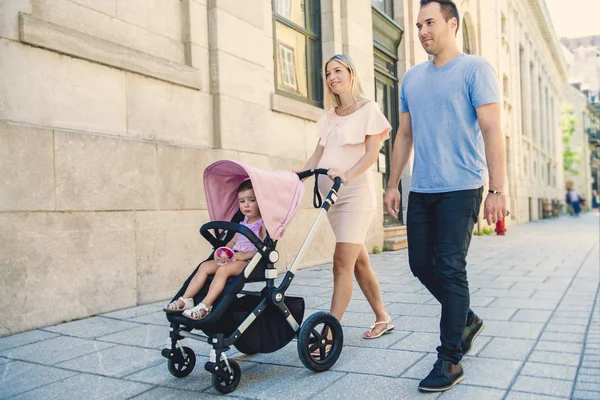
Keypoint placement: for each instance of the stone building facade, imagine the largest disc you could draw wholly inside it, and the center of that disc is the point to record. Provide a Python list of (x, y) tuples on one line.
[(111, 109), (517, 38)]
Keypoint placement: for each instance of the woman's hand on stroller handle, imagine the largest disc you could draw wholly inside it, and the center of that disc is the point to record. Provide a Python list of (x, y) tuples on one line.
[(333, 173)]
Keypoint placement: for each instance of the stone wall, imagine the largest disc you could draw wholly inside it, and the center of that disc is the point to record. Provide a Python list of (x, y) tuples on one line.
[(109, 112)]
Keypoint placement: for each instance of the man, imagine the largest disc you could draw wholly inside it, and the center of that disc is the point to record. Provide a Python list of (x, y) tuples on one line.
[(450, 111)]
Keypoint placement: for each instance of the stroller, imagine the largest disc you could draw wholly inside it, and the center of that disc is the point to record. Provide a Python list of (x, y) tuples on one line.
[(254, 322)]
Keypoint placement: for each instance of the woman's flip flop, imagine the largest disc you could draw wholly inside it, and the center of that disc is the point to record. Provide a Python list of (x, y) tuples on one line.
[(388, 328)]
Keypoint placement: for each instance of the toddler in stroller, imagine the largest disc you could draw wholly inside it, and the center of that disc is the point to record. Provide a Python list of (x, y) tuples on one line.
[(222, 266), (253, 322)]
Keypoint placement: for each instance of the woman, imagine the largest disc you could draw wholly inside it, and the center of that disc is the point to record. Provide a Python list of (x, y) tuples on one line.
[(350, 134)]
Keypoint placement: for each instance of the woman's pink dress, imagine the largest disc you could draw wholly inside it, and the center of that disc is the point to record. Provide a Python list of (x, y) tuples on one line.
[(344, 141)]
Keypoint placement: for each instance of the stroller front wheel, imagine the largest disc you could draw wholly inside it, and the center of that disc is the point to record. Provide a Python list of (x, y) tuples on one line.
[(320, 341), (229, 384), (181, 365)]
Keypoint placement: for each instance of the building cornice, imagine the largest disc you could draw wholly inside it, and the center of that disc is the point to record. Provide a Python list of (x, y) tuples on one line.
[(543, 21)]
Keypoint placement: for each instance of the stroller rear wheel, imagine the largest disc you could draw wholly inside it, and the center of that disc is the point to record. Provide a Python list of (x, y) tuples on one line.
[(320, 341), (229, 384), (181, 365)]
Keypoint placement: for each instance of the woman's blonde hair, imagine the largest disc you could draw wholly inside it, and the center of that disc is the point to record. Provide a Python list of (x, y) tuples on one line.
[(332, 99)]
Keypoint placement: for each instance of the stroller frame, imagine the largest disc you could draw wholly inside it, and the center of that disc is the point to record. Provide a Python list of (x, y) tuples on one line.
[(225, 372)]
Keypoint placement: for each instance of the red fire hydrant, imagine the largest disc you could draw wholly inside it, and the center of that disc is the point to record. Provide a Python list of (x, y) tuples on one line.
[(500, 228)]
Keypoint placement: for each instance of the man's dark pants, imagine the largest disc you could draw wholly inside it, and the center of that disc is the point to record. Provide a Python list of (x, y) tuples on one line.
[(439, 228)]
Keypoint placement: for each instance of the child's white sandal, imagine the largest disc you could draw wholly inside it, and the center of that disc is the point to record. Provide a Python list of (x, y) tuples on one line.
[(196, 314), (175, 307)]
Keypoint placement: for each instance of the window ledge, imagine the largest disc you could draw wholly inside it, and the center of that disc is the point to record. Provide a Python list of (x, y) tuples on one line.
[(295, 108), (54, 37)]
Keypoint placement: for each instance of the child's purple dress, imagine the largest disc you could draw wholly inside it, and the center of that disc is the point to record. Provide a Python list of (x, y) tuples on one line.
[(242, 244)]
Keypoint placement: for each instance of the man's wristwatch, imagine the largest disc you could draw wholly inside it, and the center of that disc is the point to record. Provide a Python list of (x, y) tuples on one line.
[(496, 192)]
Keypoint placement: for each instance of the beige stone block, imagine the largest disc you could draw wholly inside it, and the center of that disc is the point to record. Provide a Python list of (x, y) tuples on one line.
[(268, 17), (288, 137), (244, 126), (242, 79), (311, 138), (45, 88), (296, 108), (26, 168), (198, 29), (181, 177), (282, 163), (242, 38), (9, 17), (224, 154), (160, 111), (60, 266), (67, 41), (359, 12), (319, 250), (77, 17), (200, 59), (360, 38), (256, 160), (104, 6), (168, 248), (104, 173), (158, 16), (247, 11)]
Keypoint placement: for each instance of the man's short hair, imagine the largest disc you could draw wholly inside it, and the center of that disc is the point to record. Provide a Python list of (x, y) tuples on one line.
[(449, 10)]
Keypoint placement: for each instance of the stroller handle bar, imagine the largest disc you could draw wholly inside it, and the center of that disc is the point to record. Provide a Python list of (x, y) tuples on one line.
[(331, 197)]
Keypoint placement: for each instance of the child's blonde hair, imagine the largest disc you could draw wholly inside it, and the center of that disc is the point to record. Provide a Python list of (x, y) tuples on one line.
[(332, 99)]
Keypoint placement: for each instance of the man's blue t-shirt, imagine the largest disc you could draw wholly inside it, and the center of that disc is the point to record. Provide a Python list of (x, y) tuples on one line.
[(449, 148)]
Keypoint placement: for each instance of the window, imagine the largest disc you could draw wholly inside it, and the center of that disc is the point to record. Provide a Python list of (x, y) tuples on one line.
[(284, 8), (533, 104), (505, 87), (503, 24), (297, 48), (288, 71), (385, 6), (522, 72), (541, 126), (466, 39)]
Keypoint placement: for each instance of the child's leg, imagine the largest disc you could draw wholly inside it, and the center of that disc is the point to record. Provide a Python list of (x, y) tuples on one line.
[(220, 279), (207, 268), (196, 283)]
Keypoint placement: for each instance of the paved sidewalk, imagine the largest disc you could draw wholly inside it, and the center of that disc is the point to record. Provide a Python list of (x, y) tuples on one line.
[(536, 289)]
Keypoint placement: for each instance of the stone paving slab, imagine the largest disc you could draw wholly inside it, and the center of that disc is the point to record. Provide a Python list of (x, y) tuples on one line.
[(91, 328), (358, 386), (116, 361), (18, 377), (55, 350), (536, 288), (85, 387), (25, 338)]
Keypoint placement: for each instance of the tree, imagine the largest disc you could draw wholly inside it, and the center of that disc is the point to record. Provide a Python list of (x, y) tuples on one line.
[(570, 156)]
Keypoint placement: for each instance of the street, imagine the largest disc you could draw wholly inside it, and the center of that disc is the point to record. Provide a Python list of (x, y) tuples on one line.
[(536, 289)]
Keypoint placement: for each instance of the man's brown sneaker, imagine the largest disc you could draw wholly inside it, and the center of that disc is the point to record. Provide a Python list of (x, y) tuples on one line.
[(443, 376), (470, 333)]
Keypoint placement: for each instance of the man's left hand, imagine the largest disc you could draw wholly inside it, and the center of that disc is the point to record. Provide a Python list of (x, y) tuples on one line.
[(494, 208)]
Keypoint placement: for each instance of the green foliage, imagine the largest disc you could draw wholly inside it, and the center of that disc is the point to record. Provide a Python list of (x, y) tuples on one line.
[(488, 230), (376, 250), (477, 233), (570, 156), (385, 248)]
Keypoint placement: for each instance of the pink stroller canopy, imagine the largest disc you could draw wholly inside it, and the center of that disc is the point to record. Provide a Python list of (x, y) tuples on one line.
[(278, 193)]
